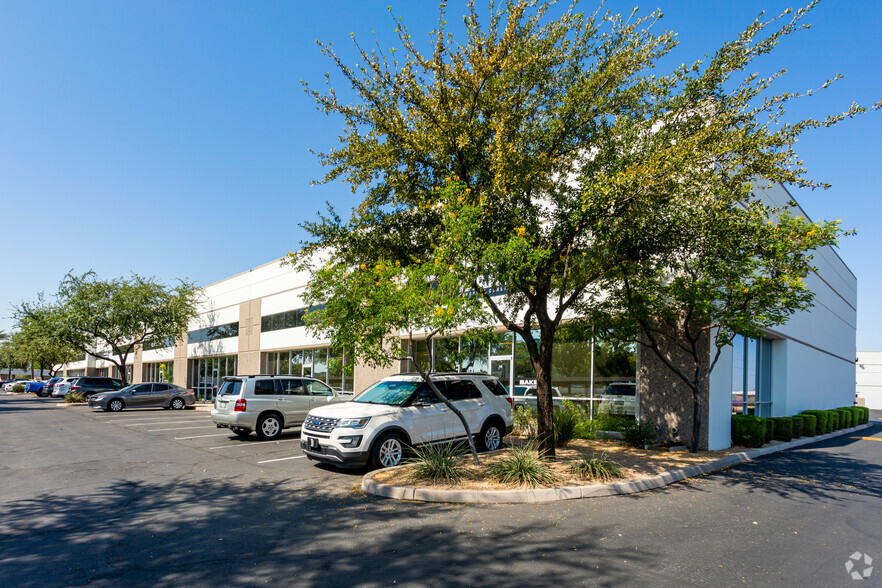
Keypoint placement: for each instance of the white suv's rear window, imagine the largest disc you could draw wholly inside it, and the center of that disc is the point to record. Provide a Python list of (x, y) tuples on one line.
[(231, 388)]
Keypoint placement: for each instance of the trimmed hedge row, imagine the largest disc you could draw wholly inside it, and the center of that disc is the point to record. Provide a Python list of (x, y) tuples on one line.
[(754, 431)]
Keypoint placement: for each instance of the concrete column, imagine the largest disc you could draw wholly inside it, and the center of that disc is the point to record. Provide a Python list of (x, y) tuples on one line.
[(249, 338), (665, 399), (179, 377), (137, 366), (364, 375)]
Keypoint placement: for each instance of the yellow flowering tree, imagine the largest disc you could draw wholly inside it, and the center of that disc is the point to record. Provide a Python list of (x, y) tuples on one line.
[(532, 161)]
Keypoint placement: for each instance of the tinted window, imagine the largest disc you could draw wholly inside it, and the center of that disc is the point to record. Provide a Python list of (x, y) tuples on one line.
[(231, 388), (621, 390), (161, 387), (264, 387), (318, 388), (462, 390), (141, 388), (117, 383), (291, 386)]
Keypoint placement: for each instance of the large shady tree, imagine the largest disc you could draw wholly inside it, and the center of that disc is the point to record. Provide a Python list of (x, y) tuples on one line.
[(537, 157), (107, 319)]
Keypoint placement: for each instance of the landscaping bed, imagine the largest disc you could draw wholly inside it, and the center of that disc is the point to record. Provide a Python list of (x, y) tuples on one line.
[(634, 464)]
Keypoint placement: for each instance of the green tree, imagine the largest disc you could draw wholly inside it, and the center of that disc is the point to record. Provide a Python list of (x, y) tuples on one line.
[(40, 343), (741, 268), (364, 308), (540, 155), (92, 315)]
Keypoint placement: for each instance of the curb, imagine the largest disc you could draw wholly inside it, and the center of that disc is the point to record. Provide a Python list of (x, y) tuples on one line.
[(202, 407), (570, 492)]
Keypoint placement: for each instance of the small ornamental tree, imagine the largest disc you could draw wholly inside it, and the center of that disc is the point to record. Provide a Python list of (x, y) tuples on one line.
[(92, 315), (365, 309)]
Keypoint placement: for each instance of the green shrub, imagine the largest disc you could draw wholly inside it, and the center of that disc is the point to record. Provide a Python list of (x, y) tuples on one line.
[(598, 468), (522, 465), (798, 425), (821, 418), (865, 415), (748, 431), (74, 398), (612, 423), (565, 422), (783, 428), (770, 430), (833, 423), (855, 414), (525, 422), (438, 463), (844, 418), (809, 425), (639, 433), (586, 429), (19, 388)]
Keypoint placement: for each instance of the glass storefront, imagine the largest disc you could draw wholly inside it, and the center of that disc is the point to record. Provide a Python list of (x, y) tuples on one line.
[(321, 363), (582, 368), (130, 372), (153, 372), (206, 374), (751, 376)]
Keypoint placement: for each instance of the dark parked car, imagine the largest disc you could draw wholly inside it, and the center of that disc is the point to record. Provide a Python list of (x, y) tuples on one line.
[(89, 385), (42, 389), (142, 396)]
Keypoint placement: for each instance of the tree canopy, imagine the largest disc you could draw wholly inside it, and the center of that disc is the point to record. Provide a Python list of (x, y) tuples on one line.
[(536, 159), (107, 319)]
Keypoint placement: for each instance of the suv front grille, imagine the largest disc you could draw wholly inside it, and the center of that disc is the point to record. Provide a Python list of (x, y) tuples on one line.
[(314, 423)]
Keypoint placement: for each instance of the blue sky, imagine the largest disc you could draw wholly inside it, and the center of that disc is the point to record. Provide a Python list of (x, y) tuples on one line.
[(172, 138)]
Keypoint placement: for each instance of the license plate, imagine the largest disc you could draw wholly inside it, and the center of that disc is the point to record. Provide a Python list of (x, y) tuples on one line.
[(313, 443), (620, 402), (222, 404)]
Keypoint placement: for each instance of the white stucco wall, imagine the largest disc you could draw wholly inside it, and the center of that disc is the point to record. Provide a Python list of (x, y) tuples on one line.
[(869, 378)]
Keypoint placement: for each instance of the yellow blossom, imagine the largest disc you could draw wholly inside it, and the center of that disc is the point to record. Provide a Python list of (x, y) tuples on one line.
[(520, 231), (468, 190), (451, 214), (450, 310), (439, 311), (363, 266)]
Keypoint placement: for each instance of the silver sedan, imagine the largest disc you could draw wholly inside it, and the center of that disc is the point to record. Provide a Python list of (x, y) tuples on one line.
[(147, 394)]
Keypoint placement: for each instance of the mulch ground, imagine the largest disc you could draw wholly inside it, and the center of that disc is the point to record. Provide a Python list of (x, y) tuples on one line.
[(635, 464)]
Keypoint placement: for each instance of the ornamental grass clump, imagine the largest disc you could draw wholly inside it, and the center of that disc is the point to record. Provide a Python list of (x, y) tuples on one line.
[(438, 463), (597, 468), (566, 420), (74, 398), (523, 466)]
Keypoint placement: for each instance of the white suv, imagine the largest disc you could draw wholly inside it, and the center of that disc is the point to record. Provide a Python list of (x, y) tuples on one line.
[(268, 404), (378, 425)]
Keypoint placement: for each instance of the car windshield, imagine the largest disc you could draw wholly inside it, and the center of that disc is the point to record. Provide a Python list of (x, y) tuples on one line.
[(621, 390), (391, 393), (519, 390)]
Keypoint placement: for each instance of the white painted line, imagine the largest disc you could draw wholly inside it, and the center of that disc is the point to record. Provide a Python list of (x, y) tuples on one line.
[(281, 459), (181, 428), (244, 445), (201, 436), (164, 423)]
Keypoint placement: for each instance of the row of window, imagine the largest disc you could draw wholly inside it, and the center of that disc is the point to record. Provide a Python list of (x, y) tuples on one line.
[(214, 333), (287, 320)]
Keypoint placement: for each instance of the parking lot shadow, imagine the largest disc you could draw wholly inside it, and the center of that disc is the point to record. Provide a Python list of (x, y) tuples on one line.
[(211, 532)]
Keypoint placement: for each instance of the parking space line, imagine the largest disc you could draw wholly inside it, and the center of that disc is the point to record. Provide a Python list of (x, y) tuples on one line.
[(201, 436), (182, 428), (252, 444), (164, 423), (282, 459)]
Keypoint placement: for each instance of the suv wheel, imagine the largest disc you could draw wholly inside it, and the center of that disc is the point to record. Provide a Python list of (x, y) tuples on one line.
[(115, 405), (491, 436), (387, 451), (269, 426)]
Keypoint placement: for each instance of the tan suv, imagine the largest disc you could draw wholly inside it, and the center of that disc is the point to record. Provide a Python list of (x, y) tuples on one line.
[(267, 404)]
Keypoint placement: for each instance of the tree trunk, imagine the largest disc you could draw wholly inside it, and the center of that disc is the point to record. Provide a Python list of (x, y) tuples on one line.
[(544, 404), (696, 418)]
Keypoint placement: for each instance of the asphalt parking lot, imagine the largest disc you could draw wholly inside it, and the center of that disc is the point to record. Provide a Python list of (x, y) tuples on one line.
[(162, 498)]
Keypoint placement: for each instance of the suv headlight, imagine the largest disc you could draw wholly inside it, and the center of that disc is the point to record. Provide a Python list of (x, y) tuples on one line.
[(353, 423)]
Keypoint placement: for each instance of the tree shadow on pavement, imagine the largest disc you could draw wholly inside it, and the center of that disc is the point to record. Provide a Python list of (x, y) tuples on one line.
[(210, 532)]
